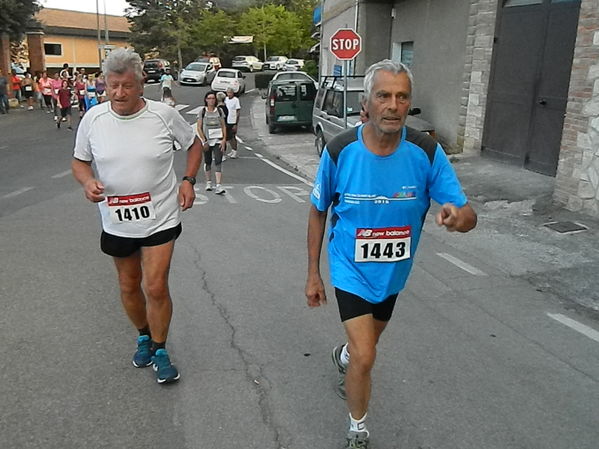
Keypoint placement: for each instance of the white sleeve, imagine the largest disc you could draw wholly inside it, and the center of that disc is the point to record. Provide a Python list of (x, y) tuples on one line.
[(83, 149), (238, 104), (183, 132)]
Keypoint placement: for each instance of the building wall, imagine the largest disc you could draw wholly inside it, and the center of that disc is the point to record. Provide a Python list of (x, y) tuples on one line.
[(76, 51), (438, 29), (336, 14), (374, 25), (577, 179)]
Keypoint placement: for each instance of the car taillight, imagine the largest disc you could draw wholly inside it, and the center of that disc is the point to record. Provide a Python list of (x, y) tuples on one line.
[(272, 102)]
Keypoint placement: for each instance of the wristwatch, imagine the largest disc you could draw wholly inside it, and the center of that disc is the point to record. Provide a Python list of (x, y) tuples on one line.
[(191, 180)]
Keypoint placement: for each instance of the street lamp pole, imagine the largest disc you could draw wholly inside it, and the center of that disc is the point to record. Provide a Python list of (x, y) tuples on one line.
[(99, 34)]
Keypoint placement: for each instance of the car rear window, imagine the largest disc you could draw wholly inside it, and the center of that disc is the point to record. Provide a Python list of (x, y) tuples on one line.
[(307, 91), (226, 74), (285, 93), (239, 58), (151, 65), (198, 67)]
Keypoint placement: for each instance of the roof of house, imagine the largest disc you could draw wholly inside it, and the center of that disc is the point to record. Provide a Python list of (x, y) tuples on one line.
[(56, 19)]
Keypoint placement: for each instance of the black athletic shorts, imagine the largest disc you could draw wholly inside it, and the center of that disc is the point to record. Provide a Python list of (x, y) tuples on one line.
[(352, 306), (65, 111), (116, 246), (230, 133)]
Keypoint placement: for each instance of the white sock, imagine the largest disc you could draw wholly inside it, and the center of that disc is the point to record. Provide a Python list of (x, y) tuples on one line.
[(345, 355), (358, 425)]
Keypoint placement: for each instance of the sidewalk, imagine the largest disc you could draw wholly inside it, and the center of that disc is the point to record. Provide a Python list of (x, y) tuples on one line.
[(513, 206)]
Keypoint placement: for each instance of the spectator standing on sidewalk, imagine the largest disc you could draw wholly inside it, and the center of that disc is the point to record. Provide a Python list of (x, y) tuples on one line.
[(166, 81), (4, 106), (16, 86), (234, 112), (378, 179), (139, 198)]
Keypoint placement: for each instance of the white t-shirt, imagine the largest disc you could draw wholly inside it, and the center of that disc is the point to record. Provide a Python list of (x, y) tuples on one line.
[(133, 157), (167, 81), (233, 106)]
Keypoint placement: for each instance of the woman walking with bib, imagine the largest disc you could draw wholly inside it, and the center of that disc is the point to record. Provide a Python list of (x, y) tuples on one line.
[(211, 130)]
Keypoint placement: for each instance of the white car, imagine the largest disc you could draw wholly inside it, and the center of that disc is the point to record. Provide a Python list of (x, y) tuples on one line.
[(294, 75), (197, 73), (294, 64), (249, 63), (275, 63), (226, 78)]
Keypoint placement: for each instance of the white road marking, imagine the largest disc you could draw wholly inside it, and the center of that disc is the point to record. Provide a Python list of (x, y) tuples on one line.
[(259, 155), (17, 192), (461, 264), (287, 172), (294, 192), (249, 191), (249, 148), (195, 111), (61, 174), (178, 107), (251, 90), (239, 139), (573, 324)]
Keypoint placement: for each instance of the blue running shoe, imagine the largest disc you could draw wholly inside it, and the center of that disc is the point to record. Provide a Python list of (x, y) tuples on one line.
[(143, 356), (164, 369)]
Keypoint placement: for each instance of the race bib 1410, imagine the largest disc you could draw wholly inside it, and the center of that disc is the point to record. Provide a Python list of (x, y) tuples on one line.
[(383, 244), (131, 208)]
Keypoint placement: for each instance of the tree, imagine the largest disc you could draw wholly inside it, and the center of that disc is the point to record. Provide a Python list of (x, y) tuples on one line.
[(210, 32), (14, 15), (162, 26)]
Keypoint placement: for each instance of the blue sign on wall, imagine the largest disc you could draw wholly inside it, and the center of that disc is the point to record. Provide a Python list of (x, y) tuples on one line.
[(337, 70), (316, 16)]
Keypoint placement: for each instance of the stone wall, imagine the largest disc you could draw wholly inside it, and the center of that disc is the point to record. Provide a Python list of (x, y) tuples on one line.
[(477, 71), (577, 180)]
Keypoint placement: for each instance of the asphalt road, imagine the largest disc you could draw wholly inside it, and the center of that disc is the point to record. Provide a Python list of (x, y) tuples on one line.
[(471, 359)]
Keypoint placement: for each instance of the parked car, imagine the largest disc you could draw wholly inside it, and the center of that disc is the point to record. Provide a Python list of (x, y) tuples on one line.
[(327, 116), (289, 103), (214, 60), (226, 78), (294, 64), (155, 68), (20, 71), (294, 75), (249, 63), (197, 73), (275, 62)]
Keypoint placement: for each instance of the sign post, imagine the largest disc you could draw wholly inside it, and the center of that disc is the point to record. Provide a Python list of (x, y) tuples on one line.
[(345, 45)]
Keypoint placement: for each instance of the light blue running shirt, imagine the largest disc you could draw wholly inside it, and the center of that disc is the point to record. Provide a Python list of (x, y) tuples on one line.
[(378, 205)]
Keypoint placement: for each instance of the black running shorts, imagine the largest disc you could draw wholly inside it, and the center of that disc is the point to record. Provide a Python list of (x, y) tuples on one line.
[(230, 133), (352, 306), (116, 246)]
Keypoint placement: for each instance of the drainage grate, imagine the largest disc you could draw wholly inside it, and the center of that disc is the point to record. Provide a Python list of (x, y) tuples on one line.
[(566, 227)]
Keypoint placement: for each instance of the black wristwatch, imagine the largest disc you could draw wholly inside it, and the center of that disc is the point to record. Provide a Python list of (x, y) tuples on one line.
[(191, 180)]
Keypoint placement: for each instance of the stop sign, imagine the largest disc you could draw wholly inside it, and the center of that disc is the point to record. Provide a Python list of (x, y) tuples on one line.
[(345, 44)]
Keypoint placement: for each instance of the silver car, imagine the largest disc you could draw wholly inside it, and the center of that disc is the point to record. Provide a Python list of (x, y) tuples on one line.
[(197, 73), (275, 63), (248, 63)]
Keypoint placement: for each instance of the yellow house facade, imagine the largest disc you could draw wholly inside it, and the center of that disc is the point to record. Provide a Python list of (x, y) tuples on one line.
[(72, 37)]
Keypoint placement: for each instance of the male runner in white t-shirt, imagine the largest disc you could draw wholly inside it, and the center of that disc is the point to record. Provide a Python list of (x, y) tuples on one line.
[(234, 108), (130, 140)]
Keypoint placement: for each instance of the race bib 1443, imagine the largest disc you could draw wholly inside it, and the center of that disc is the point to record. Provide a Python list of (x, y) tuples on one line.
[(130, 208), (383, 244)]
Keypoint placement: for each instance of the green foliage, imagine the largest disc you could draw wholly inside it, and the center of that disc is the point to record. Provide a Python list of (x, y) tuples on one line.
[(184, 29), (14, 16), (311, 68), (209, 33)]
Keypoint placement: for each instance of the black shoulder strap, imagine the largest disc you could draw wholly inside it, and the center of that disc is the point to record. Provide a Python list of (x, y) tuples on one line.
[(423, 141)]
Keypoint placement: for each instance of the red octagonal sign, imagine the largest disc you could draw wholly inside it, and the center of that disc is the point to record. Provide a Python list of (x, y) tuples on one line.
[(345, 44)]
